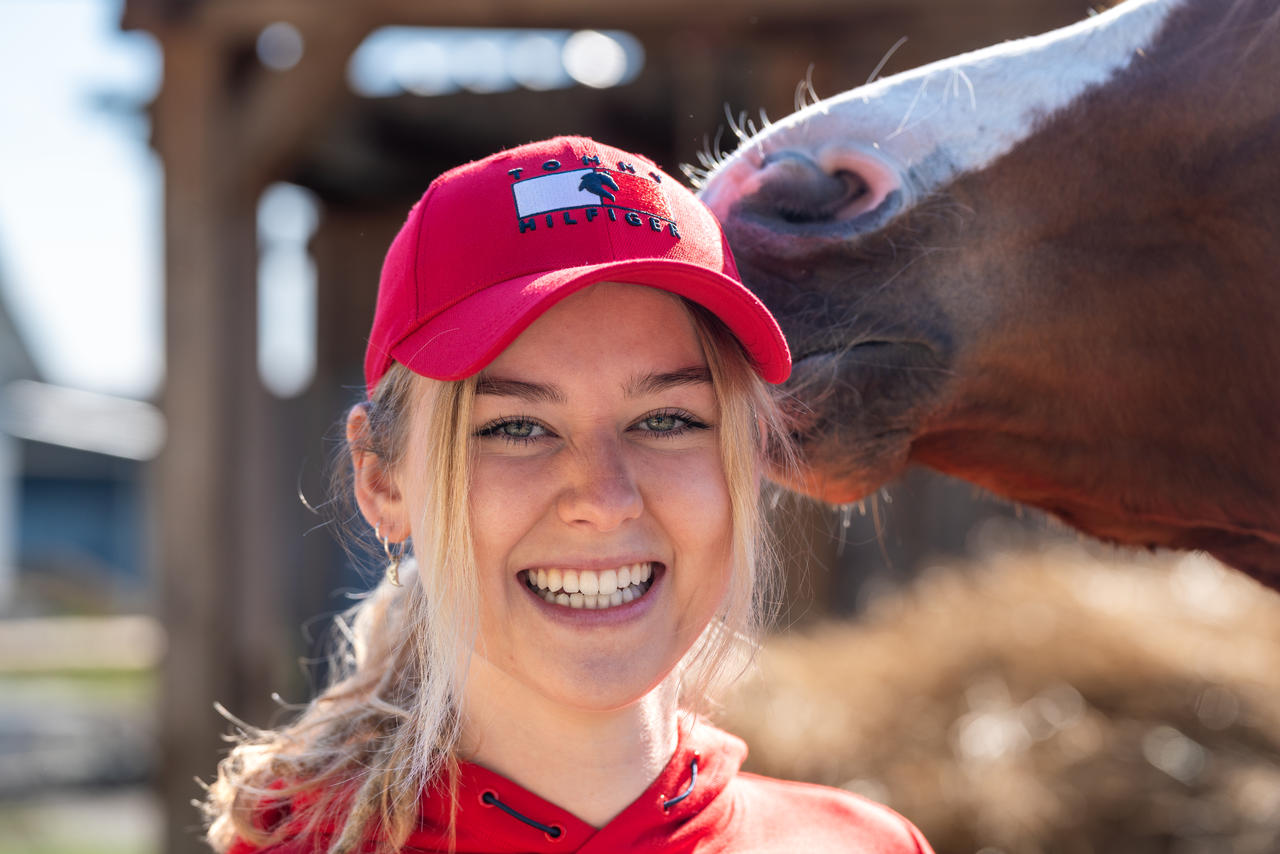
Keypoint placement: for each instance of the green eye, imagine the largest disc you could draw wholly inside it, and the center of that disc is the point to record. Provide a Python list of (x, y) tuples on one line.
[(662, 423), (513, 430), (517, 429), (669, 424)]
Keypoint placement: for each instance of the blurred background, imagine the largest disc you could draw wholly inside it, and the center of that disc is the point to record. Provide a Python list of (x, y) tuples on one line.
[(195, 196)]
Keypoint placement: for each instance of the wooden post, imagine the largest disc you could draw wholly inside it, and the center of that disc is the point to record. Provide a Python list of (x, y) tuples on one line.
[(216, 539), (228, 514)]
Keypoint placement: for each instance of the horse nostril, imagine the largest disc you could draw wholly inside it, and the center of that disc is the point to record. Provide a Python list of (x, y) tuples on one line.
[(856, 185), (844, 189), (797, 190)]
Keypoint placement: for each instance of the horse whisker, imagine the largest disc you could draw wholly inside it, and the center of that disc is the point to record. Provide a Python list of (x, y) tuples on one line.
[(808, 84), (911, 108), (697, 177), (735, 123), (875, 72), (960, 75)]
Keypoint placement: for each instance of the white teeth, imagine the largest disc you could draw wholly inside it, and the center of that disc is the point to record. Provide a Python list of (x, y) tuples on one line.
[(608, 582), (590, 590)]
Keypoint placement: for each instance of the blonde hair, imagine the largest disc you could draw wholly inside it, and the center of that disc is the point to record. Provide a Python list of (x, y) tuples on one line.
[(358, 757)]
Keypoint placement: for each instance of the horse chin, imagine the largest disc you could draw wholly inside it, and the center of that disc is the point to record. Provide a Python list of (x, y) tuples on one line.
[(828, 486)]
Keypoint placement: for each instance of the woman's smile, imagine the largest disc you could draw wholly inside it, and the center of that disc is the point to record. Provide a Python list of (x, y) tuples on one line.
[(591, 589)]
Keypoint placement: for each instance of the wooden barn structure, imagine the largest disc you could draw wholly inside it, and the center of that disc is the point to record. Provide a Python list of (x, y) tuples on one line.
[(241, 566)]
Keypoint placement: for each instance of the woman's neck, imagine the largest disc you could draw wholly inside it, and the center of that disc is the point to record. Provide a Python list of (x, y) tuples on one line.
[(593, 764)]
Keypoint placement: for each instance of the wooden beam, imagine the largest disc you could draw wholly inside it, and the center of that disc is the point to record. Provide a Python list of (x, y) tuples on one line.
[(756, 19), (249, 16), (281, 109)]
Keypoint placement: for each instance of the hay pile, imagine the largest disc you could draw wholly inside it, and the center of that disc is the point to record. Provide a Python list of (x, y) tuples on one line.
[(1055, 702)]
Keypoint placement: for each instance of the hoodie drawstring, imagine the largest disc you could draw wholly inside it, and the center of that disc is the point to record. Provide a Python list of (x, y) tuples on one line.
[(693, 779), (552, 830)]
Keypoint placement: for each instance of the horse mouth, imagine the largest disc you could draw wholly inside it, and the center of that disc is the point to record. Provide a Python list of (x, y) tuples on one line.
[(863, 393), (855, 410)]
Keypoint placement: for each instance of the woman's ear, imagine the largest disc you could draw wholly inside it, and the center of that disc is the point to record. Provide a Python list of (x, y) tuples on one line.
[(377, 494)]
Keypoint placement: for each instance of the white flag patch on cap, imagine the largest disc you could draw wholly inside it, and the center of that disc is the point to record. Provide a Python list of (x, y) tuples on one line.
[(552, 193)]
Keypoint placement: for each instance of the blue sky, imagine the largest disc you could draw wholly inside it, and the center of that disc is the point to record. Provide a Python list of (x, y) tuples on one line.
[(80, 194)]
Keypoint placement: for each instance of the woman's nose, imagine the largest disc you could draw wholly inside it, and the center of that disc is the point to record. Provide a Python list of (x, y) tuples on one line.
[(600, 490)]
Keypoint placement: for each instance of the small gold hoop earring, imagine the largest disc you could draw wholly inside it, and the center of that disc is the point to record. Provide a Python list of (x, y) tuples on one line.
[(393, 557)]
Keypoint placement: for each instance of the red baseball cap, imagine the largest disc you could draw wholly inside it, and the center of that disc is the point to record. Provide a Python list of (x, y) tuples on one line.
[(493, 244)]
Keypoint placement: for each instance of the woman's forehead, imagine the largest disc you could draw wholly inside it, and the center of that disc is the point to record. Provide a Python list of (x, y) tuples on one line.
[(623, 334)]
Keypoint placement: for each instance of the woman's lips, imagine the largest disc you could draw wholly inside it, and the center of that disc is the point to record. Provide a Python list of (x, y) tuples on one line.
[(591, 589)]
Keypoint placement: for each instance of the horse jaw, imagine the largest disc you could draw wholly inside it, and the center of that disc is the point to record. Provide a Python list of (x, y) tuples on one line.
[(907, 304)]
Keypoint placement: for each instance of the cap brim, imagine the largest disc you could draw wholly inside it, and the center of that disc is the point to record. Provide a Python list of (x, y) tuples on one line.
[(464, 338)]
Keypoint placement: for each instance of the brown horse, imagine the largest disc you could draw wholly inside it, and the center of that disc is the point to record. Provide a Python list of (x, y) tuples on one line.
[(1048, 267)]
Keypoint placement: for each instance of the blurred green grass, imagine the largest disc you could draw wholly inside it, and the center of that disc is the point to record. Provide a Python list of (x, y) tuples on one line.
[(132, 687), (114, 821)]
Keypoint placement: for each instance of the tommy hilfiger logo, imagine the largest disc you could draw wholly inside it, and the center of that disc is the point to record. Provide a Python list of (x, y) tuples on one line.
[(561, 197), (599, 183)]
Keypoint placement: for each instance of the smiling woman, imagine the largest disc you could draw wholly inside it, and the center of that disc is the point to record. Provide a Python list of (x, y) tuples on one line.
[(562, 452)]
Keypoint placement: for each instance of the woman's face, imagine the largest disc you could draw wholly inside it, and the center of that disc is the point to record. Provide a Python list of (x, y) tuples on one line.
[(599, 507)]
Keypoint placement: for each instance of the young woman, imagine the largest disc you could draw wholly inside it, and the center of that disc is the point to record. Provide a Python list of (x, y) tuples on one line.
[(568, 418)]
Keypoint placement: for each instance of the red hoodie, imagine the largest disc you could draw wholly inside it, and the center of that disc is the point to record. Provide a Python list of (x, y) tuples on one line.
[(700, 804)]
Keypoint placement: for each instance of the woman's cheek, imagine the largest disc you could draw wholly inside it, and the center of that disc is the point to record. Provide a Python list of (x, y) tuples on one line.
[(504, 490), (695, 477), (691, 497)]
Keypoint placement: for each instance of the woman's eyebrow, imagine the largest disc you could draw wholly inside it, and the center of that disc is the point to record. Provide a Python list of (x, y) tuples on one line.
[(533, 392), (651, 383), (656, 382)]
